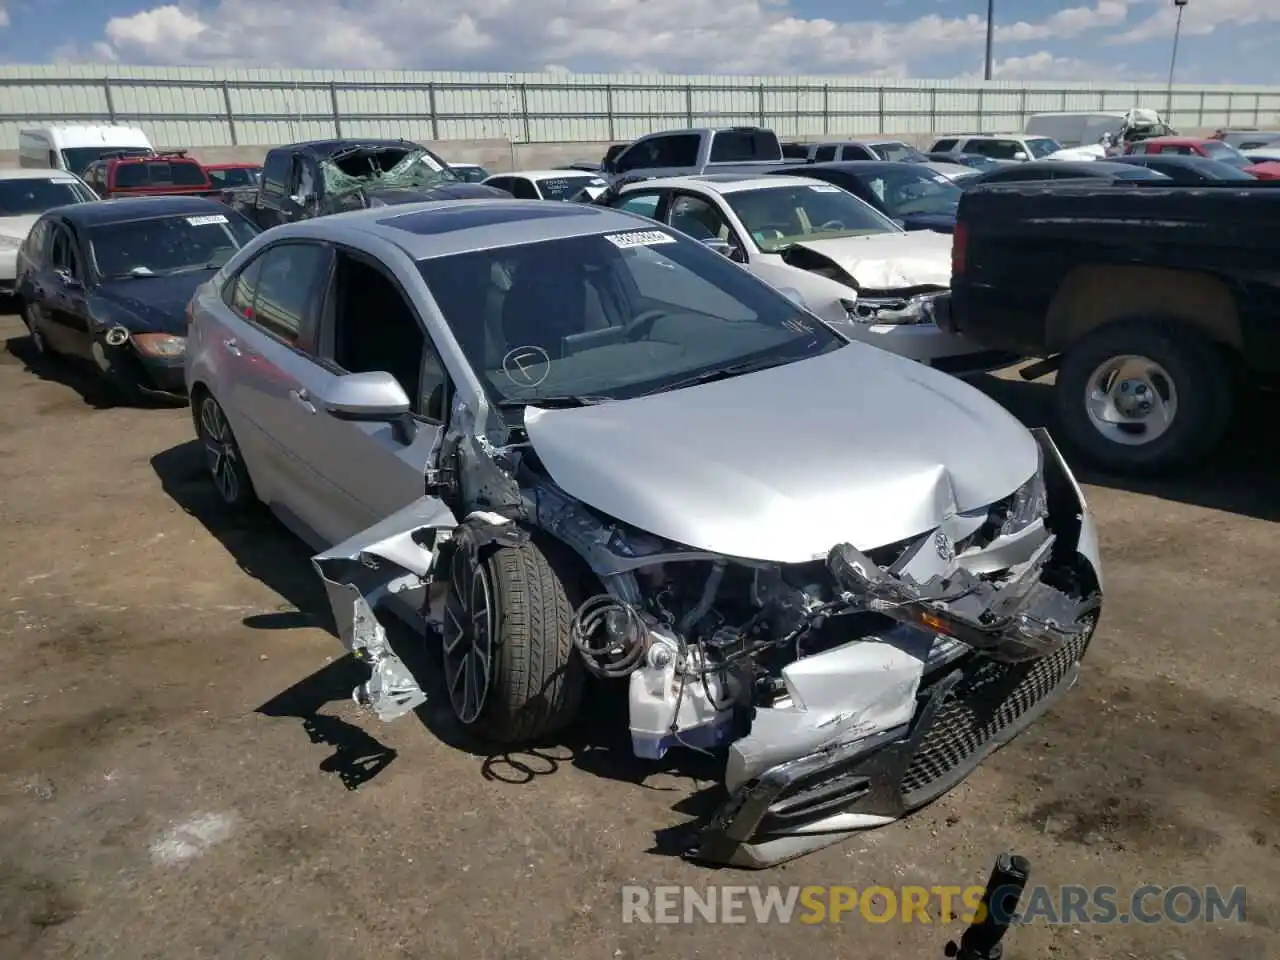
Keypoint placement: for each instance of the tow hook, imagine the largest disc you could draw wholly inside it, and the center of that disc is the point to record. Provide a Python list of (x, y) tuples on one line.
[(117, 336)]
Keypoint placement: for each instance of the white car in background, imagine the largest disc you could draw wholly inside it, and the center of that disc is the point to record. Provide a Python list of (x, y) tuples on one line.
[(546, 184), (26, 193), (838, 256)]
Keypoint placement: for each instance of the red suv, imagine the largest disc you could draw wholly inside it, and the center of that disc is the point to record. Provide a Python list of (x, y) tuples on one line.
[(1211, 148), (160, 174)]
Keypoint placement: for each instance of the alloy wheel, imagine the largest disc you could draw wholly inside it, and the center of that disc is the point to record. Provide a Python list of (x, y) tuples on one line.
[(1131, 400), (470, 624), (220, 450)]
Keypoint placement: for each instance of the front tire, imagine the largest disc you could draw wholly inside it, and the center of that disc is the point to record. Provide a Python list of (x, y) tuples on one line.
[(1138, 397), (509, 660), (222, 453)]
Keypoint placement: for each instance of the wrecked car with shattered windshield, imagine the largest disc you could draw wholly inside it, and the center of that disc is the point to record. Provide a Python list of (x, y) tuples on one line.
[(571, 444), (322, 177)]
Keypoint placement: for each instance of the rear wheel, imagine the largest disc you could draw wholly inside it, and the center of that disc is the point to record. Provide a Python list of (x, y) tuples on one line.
[(508, 654), (31, 318), (222, 453), (1143, 396)]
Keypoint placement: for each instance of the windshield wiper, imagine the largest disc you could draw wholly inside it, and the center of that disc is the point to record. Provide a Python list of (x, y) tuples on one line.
[(559, 401), (724, 373)]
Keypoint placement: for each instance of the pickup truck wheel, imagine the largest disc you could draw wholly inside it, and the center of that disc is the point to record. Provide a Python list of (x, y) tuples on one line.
[(1138, 397), (509, 661)]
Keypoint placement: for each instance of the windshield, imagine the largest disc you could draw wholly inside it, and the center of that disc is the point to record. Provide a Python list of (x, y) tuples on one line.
[(908, 191), (23, 197), (612, 316), (235, 176), (1217, 150), (1042, 146), (470, 174), (77, 159), (160, 246), (1136, 173), (562, 188), (896, 152), (780, 216), (387, 166)]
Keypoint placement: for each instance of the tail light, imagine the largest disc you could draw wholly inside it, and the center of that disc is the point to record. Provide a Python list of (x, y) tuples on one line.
[(959, 250)]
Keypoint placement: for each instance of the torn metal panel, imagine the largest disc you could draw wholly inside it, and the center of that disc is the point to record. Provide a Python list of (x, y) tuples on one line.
[(394, 557)]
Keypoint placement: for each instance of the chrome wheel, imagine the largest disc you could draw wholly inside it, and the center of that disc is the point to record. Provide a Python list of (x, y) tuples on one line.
[(1131, 400), (220, 451), (470, 627)]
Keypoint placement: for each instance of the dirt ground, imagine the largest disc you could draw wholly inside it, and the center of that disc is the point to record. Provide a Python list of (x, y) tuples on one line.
[(182, 773)]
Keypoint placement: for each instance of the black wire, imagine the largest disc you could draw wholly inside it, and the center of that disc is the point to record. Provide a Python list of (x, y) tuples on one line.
[(589, 618)]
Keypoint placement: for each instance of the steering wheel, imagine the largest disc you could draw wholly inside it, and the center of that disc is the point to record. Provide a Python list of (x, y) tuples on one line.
[(643, 320), (832, 225)]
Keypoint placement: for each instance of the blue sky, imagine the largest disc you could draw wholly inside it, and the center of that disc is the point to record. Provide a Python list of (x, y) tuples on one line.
[(1223, 41)]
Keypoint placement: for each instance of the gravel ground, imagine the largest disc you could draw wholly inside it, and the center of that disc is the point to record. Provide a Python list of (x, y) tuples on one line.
[(182, 773)]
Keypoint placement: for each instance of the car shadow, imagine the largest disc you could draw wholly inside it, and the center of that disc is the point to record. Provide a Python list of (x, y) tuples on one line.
[(1240, 477), (261, 546), (95, 391), (264, 549)]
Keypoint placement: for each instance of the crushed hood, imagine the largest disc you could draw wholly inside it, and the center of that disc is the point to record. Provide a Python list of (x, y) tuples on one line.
[(890, 261), (856, 445), (18, 227)]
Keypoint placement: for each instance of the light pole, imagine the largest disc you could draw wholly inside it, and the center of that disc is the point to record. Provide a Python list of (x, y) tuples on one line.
[(991, 32), (1173, 59)]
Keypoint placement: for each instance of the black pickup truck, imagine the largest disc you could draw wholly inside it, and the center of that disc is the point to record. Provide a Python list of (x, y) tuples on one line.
[(1155, 305), (305, 180)]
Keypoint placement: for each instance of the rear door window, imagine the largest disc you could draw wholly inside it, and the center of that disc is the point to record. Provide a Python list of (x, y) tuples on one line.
[(944, 146), (825, 153), (744, 146)]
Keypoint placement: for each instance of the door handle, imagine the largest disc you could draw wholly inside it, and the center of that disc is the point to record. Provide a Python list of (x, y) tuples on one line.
[(232, 346), (303, 398)]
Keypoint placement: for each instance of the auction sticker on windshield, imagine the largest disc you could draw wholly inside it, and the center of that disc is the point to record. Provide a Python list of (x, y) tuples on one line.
[(639, 238), (206, 220), (825, 188)]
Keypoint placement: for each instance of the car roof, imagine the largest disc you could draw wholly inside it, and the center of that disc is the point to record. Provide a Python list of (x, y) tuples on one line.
[(863, 166), (36, 173), (437, 228), (1180, 141), (233, 165), (99, 212), (325, 148), (724, 183), (546, 174)]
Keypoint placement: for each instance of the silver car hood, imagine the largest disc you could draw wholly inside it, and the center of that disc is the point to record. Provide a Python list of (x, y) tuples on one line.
[(889, 261), (857, 445)]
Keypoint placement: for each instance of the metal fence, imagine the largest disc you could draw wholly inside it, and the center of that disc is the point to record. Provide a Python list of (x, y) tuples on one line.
[(199, 108)]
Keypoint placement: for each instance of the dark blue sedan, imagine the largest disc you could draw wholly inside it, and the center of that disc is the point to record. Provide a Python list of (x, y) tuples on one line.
[(912, 194), (108, 282)]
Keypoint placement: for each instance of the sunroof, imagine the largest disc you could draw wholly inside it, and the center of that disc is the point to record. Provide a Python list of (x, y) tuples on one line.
[(469, 216)]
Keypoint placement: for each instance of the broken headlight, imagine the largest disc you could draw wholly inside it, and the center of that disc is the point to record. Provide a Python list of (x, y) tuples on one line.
[(1024, 506), (896, 310)]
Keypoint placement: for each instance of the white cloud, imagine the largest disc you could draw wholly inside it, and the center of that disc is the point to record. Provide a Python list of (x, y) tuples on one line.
[(677, 36), (1045, 66), (1200, 18)]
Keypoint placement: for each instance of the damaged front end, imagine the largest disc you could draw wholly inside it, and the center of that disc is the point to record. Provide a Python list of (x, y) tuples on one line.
[(844, 693)]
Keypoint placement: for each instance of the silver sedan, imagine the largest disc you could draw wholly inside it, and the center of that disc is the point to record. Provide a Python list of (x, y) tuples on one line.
[(567, 441)]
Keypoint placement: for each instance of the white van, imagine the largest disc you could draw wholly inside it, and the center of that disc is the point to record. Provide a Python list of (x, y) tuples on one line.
[(1076, 129), (74, 148)]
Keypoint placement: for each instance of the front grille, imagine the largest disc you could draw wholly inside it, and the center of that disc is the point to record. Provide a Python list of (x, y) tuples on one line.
[(984, 702)]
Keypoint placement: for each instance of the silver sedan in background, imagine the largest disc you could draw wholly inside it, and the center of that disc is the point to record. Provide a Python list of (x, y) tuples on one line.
[(567, 441)]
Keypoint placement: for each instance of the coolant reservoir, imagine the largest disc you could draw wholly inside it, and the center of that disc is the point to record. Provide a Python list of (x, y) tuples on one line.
[(662, 698)]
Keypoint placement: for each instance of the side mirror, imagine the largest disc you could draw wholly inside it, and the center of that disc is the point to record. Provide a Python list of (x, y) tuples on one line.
[(1021, 155), (374, 397)]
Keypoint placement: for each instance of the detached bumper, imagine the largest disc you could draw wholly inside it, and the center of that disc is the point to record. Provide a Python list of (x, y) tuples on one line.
[(888, 755)]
